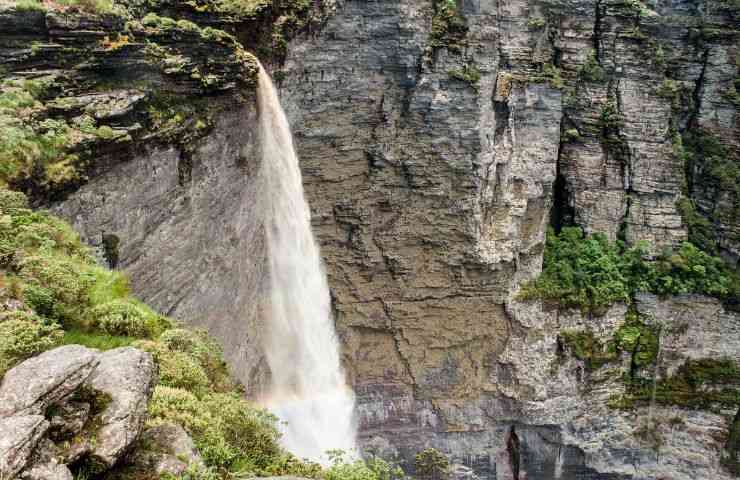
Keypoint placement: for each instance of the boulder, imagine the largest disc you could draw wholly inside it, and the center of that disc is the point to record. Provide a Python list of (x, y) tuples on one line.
[(165, 449), (20, 435), (125, 378), (32, 386), (44, 465)]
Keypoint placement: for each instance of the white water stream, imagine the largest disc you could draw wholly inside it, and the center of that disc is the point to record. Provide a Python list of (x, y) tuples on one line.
[(308, 388)]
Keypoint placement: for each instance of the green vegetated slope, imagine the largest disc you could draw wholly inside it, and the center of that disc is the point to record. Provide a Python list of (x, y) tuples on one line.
[(52, 292)]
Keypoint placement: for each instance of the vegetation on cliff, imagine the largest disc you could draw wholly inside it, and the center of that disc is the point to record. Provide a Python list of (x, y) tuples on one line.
[(591, 273)]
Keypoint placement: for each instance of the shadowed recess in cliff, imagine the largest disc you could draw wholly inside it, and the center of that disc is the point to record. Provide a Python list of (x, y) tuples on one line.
[(308, 388)]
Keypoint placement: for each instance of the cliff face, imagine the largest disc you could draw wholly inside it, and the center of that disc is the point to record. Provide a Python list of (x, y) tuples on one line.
[(434, 158), (438, 141)]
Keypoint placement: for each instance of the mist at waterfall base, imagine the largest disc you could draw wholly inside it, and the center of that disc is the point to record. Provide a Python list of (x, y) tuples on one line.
[(308, 389)]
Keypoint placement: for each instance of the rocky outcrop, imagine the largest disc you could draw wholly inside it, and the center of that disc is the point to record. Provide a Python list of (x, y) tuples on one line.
[(73, 406), (162, 449), (125, 377), (36, 384), (20, 435)]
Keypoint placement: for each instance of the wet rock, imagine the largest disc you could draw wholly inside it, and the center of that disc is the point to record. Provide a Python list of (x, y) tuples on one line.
[(19, 436), (34, 385)]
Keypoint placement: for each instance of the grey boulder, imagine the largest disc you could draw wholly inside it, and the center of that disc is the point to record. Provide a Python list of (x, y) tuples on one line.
[(126, 376), (165, 449), (34, 385), (19, 438)]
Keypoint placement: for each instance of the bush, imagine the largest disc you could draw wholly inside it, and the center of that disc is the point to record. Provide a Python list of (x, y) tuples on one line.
[(591, 273), (64, 278), (431, 464), (177, 369), (580, 272), (373, 469), (227, 430), (122, 317), (23, 335), (205, 350)]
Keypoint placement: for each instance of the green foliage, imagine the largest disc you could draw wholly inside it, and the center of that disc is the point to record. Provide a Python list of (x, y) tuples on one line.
[(634, 337), (591, 273), (468, 73), (689, 270), (205, 350), (571, 135), (29, 5), (123, 318), (706, 384), (580, 272), (177, 369), (716, 167), (230, 432), (536, 23), (551, 74), (23, 335), (448, 26), (96, 340), (373, 469), (431, 464), (591, 70), (90, 6), (586, 347)]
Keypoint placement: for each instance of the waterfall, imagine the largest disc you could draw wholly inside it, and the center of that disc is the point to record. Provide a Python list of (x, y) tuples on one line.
[(307, 390)]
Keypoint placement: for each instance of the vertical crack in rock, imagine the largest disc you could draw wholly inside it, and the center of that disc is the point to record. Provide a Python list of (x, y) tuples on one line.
[(513, 447)]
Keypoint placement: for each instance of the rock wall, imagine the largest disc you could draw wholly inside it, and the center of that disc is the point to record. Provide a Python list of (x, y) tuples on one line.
[(431, 194)]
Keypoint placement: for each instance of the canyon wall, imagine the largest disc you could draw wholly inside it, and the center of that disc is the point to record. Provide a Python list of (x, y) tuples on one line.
[(434, 163), (438, 141)]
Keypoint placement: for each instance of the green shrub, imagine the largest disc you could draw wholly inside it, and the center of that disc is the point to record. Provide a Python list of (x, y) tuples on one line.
[(205, 350), (689, 270), (580, 272), (23, 335), (468, 73), (227, 430), (591, 70), (591, 273), (448, 26), (179, 370), (11, 203), (65, 278), (123, 317), (374, 468), (431, 464)]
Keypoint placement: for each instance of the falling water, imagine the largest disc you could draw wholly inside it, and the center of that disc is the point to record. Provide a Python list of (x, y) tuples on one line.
[(308, 389)]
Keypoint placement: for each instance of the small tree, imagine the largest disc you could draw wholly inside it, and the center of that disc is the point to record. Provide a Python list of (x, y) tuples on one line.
[(431, 464)]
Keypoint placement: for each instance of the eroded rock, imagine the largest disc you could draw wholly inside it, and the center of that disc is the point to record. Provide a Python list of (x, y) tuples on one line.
[(34, 385), (19, 436)]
